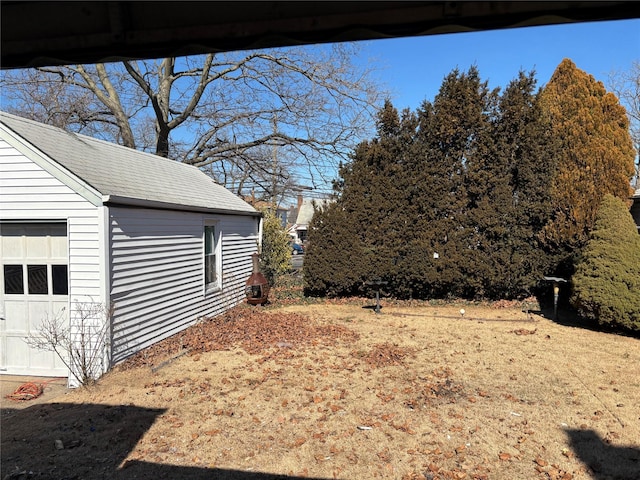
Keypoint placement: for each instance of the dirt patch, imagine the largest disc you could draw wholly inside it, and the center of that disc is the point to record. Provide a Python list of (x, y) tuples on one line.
[(336, 391)]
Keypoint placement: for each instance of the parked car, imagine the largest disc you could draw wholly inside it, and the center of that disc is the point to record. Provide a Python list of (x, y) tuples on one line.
[(297, 249)]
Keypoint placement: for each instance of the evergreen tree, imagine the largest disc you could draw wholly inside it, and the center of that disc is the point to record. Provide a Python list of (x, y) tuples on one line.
[(596, 155), (368, 211), (466, 197), (332, 264), (508, 185), (377, 197), (606, 284), (275, 256), (455, 132)]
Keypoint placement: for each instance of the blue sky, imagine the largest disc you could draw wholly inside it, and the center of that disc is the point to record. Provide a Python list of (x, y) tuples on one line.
[(413, 68)]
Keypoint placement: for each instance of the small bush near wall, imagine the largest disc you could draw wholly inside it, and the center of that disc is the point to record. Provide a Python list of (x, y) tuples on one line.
[(276, 253)]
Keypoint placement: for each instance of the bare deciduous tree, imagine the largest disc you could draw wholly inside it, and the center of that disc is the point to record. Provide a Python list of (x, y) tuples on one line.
[(626, 86), (312, 104)]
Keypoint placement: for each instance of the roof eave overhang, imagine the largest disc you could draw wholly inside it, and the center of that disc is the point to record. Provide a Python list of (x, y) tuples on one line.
[(117, 200), (41, 33)]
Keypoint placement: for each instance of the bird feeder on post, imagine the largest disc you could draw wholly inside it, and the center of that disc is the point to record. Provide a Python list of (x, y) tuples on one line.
[(556, 292)]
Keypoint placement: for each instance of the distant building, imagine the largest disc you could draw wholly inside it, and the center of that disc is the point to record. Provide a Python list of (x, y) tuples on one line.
[(281, 212), (303, 214)]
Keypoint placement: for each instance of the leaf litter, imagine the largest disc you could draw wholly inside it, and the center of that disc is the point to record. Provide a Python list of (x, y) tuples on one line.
[(332, 391)]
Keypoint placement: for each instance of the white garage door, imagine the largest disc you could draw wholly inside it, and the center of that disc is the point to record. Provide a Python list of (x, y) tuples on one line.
[(34, 283)]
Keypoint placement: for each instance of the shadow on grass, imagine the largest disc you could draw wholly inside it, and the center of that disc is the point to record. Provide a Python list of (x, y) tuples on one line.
[(89, 441), (567, 316), (605, 461), (372, 307), (570, 318)]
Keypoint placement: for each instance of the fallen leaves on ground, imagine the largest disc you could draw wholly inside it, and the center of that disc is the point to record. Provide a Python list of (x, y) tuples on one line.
[(250, 328), (386, 354), (334, 391), (524, 331)]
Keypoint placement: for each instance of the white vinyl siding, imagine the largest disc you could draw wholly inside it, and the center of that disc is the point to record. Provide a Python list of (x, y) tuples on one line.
[(157, 275), (22, 198), (144, 262), (29, 194)]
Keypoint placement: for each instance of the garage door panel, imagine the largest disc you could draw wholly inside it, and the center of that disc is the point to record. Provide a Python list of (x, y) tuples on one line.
[(36, 248), (41, 251), (15, 318), (59, 308), (21, 358), (17, 350), (41, 360), (39, 311), (12, 246), (58, 246)]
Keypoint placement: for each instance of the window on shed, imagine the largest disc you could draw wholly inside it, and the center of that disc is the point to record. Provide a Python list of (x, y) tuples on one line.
[(211, 257)]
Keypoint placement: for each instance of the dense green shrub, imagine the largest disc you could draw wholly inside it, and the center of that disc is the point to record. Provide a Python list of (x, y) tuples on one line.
[(443, 202), (509, 197), (333, 259), (275, 257), (486, 180), (606, 284)]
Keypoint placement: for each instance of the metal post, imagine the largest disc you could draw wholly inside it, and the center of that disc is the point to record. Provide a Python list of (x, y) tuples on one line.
[(378, 284)]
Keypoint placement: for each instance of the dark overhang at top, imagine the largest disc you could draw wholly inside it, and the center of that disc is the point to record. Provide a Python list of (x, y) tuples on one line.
[(39, 33)]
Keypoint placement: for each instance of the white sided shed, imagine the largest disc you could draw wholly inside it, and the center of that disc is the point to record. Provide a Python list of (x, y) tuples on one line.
[(86, 223)]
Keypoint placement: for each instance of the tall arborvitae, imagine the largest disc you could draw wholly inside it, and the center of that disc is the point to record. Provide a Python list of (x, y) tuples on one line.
[(596, 156), (453, 132), (508, 184), (523, 134), (469, 196), (371, 202), (332, 263)]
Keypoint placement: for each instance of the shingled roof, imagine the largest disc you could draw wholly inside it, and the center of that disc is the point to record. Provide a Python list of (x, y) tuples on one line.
[(122, 175)]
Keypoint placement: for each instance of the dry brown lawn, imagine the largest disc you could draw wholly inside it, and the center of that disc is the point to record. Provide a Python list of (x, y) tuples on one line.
[(336, 391)]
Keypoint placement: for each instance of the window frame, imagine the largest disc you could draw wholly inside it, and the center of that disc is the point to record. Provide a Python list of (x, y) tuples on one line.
[(216, 252), (56, 284)]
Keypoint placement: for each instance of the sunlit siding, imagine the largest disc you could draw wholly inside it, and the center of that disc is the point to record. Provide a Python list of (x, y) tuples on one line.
[(157, 272), (27, 192)]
